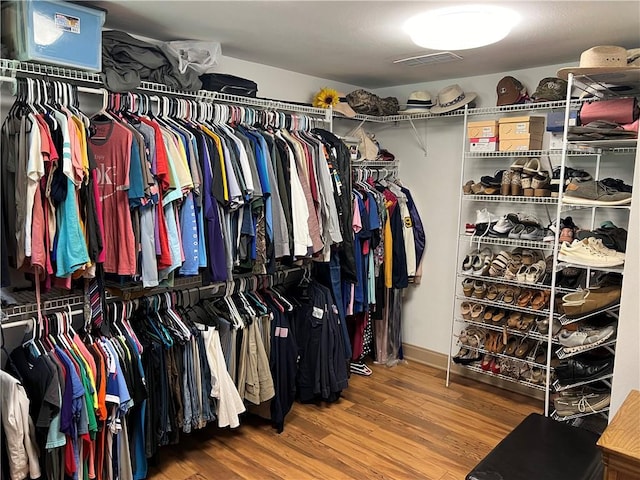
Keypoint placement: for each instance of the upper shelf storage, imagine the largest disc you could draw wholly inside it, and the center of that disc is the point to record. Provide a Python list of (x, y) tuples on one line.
[(460, 113), (14, 68)]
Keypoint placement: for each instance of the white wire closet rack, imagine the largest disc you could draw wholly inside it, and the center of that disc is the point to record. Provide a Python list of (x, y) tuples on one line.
[(13, 68)]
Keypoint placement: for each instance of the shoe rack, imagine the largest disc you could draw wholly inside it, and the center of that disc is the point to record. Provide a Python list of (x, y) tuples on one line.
[(610, 158), (528, 368)]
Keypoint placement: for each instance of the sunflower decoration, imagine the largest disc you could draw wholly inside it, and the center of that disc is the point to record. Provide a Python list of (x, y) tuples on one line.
[(325, 98)]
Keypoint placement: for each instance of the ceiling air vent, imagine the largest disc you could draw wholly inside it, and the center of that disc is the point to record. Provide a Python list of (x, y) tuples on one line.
[(430, 59)]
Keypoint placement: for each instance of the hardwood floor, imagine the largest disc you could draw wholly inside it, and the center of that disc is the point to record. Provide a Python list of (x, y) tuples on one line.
[(400, 423)]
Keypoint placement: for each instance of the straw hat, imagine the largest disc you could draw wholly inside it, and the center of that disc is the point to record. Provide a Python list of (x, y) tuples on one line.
[(343, 107), (451, 98), (418, 102), (602, 59)]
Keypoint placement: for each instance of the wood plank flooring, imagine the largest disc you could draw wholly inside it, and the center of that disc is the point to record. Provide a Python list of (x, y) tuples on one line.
[(400, 423)]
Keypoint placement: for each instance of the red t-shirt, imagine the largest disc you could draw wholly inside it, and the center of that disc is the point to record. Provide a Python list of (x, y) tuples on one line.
[(111, 146)]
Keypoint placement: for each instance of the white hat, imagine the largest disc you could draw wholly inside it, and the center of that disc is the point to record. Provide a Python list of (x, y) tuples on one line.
[(343, 107), (451, 98), (418, 102), (603, 59)]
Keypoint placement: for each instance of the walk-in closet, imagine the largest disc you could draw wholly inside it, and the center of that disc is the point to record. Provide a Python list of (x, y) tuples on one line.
[(321, 239)]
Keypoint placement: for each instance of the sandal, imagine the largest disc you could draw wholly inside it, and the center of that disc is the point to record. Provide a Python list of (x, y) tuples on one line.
[(498, 264), (476, 312), (523, 349), (521, 276), (467, 287), (492, 292), (465, 310), (526, 322), (519, 163), (532, 166), (540, 300), (512, 344), (524, 298), (498, 317), (511, 295), (488, 314), (466, 188), (536, 271), (479, 289), (514, 319), (495, 366), (467, 263), (486, 362)]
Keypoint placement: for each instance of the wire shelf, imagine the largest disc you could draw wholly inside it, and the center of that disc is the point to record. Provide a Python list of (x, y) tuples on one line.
[(506, 306), (477, 369), (564, 264), (623, 145), (525, 107), (555, 416), (504, 281), (527, 153), (28, 305), (375, 164), (558, 387), (567, 321), (399, 118), (509, 199), (507, 242), (499, 328), (562, 354), (14, 67), (573, 206)]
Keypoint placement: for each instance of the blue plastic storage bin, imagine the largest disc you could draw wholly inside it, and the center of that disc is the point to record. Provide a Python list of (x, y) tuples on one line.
[(54, 32)]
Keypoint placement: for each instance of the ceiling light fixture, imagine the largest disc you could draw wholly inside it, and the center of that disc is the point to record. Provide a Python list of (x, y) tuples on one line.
[(461, 27)]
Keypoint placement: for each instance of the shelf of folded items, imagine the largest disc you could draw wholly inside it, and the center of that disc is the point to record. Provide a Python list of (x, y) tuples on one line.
[(562, 355), (562, 265), (534, 335), (506, 306), (507, 242), (509, 199), (519, 381), (564, 320), (555, 416), (527, 153), (398, 117), (619, 145), (559, 387)]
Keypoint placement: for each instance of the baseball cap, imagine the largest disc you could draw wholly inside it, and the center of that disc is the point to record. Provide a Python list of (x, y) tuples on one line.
[(550, 89), (510, 92)]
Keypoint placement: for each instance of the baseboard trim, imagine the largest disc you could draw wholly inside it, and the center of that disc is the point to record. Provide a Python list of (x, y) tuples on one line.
[(425, 356), (439, 360)]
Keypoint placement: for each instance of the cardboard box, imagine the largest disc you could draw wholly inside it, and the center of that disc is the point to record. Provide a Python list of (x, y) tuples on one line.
[(521, 127), (54, 32), (523, 143), (486, 144), (555, 120), (484, 129)]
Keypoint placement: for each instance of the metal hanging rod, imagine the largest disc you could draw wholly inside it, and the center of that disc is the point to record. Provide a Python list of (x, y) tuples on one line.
[(15, 67)]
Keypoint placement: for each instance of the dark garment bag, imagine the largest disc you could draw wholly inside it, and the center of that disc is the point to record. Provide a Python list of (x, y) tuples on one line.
[(225, 83)]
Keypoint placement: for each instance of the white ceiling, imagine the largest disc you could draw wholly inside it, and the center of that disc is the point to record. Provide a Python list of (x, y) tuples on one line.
[(355, 42)]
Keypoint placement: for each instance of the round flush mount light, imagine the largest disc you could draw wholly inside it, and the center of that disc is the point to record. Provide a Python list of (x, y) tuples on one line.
[(461, 27)]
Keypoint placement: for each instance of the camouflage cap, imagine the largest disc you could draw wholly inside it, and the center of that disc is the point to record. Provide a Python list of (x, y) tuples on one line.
[(550, 89)]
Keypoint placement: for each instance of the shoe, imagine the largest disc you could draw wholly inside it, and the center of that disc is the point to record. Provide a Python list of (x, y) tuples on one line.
[(505, 224), (505, 184), (359, 368), (469, 228), (466, 356), (612, 237), (616, 184), (584, 302), (516, 183), (598, 245), (532, 166), (584, 339), (541, 185), (566, 235), (576, 370), (594, 193), (581, 253), (467, 287), (516, 231), (575, 405), (495, 181), (528, 219), (535, 272), (532, 233), (499, 264), (479, 290), (519, 163)]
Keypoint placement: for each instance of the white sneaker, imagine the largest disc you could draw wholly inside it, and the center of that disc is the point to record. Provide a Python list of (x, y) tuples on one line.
[(596, 244), (580, 253)]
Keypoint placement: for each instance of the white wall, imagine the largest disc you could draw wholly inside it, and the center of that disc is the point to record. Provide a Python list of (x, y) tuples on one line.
[(626, 373), (277, 83)]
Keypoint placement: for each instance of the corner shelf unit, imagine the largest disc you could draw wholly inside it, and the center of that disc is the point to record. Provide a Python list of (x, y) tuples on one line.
[(611, 156)]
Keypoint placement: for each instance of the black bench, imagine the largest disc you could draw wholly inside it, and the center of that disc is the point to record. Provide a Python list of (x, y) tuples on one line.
[(542, 449)]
